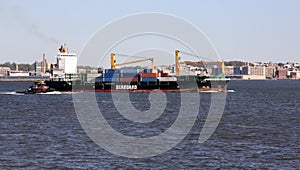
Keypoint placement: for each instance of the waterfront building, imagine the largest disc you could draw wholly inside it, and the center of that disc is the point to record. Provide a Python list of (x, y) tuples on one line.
[(298, 75), (259, 70), (229, 70), (292, 73), (245, 70), (281, 73), (44, 65), (216, 70), (38, 68), (237, 70), (270, 72), (4, 71)]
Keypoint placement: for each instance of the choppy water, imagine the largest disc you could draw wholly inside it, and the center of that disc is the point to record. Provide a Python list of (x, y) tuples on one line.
[(260, 128)]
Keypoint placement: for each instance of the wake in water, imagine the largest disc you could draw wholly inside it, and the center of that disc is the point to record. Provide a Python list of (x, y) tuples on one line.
[(216, 91), (10, 93), (56, 92), (48, 93)]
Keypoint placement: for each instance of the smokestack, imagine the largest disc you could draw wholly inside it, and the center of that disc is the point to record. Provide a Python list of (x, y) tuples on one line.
[(44, 64)]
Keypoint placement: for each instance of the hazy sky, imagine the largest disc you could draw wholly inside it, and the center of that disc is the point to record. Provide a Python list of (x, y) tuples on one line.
[(248, 30)]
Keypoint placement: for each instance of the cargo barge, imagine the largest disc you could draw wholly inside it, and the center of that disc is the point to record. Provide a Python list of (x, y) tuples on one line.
[(65, 78), (112, 82)]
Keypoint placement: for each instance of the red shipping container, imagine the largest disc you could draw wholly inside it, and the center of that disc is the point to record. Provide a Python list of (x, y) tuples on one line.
[(164, 74), (148, 74), (128, 79)]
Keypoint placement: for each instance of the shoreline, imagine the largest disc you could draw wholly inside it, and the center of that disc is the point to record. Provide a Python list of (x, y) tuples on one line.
[(21, 79)]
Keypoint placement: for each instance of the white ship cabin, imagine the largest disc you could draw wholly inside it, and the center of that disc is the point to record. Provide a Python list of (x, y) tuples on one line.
[(67, 61)]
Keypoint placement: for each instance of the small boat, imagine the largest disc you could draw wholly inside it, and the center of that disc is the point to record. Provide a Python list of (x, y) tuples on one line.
[(37, 87)]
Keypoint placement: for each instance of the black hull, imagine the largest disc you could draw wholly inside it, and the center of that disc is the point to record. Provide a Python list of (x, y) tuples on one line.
[(59, 85), (180, 84)]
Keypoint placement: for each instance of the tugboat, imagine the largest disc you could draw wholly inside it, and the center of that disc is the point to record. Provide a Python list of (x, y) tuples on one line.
[(37, 87)]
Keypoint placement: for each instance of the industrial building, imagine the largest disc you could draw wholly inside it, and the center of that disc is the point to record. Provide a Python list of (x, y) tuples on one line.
[(281, 73), (4, 71)]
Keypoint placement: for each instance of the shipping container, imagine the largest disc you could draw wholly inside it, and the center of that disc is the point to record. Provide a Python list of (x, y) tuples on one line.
[(130, 70), (111, 71), (99, 79), (147, 71), (167, 79), (186, 78), (111, 79), (149, 74), (148, 79), (164, 74), (128, 75), (126, 79), (110, 75)]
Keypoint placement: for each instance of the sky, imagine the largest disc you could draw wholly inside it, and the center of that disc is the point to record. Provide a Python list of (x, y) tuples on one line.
[(247, 30)]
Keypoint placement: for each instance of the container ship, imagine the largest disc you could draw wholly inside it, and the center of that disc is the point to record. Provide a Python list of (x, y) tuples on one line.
[(64, 77)]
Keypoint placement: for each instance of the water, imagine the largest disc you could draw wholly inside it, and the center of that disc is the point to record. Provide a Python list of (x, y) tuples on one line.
[(260, 129)]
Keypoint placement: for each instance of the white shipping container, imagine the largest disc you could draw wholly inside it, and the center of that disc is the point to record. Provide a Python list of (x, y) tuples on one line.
[(167, 78)]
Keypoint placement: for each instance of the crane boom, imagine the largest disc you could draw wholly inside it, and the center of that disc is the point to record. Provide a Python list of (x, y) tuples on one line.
[(177, 60), (200, 62), (113, 62)]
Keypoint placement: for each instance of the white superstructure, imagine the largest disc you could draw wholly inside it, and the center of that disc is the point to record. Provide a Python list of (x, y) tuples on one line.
[(66, 61)]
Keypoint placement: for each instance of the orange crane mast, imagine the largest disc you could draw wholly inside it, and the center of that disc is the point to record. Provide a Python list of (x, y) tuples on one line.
[(177, 63), (113, 62)]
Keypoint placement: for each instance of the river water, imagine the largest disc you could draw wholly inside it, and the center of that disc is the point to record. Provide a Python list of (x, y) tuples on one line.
[(259, 129)]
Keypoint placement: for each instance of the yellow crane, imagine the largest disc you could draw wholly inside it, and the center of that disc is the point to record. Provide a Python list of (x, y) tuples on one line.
[(113, 62), (177, 63)]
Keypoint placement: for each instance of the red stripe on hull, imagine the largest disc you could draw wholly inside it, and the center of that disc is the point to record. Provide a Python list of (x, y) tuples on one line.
[(155, 90)]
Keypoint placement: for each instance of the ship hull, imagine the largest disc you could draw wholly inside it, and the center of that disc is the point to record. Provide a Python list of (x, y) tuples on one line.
[(166, 86)]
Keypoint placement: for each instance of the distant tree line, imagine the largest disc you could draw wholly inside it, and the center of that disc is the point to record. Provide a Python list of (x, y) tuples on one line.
[(21, 67)]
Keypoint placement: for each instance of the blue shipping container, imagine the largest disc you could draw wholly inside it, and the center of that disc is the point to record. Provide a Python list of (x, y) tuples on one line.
[(145, 79), (98, 79), (112, 71), (130, 70), (129, 75), (147, 70), (111, 79), (110, 75)]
